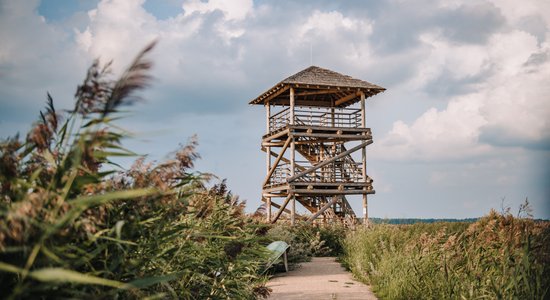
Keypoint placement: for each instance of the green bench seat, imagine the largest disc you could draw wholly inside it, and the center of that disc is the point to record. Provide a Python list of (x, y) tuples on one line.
[(278, 249)]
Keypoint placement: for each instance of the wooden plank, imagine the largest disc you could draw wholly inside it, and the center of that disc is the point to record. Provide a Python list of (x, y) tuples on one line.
[(274, 195), (302, 142), (276, 162), (280, 211), (326, 162), (278, 188), (271, 144), (328, 91), (331, 135), (331, 192), (278, 134), (345, 184), (323, 128)]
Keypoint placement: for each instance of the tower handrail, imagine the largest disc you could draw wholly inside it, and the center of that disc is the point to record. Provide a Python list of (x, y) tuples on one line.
[(319, 116)]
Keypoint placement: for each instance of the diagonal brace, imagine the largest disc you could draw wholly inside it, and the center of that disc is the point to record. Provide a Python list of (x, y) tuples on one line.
[(277, 160), (276, 205), (287, 199), (322, 210), (326, 162)]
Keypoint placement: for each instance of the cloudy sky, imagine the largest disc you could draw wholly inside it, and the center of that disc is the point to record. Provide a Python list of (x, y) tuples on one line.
[(464, 125)]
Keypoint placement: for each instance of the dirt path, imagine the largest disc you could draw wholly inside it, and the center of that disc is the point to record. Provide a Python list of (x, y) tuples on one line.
[(322, 278)]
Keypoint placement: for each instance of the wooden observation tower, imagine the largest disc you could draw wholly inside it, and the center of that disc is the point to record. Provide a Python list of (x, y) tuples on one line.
[(312, 130)]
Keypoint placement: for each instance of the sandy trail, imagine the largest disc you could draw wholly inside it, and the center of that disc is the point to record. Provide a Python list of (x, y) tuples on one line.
[(322, 278)]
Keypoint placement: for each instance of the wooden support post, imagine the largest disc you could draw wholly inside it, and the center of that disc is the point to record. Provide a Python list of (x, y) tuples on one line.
[(285, 260), (364, 162), (291, 121), (332, 114), (293, 211), (292, 158), (268, 158)]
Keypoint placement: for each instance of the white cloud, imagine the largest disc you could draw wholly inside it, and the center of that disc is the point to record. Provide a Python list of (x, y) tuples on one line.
[(35, 57), (528, 9), (510, 107), (324, 34), (116, 28), (460, 60), (214, 55), (233, 10)]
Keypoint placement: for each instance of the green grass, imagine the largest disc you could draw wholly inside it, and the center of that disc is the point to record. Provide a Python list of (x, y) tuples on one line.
[(497, 257), (75, 225)]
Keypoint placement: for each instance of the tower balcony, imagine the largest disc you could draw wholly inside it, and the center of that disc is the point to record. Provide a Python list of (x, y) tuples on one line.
[(316, 116)]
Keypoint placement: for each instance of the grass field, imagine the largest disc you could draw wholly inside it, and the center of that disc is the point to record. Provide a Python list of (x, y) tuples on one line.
[(497, 257)]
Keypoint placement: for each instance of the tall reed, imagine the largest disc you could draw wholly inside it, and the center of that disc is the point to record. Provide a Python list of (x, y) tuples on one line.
[(497, 257), (74, 225)]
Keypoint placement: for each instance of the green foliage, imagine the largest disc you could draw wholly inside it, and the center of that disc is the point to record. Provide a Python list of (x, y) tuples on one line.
[(498, 256), (72, 226), (396, 221), (333, 237), (308, 240)]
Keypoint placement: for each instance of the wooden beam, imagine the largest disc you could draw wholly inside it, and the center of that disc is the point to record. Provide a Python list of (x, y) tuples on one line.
[(322, 210), (316, 93), (280, 211), (292, 157), (322, 128), (345, 184), (278, 134), (293, 211), (268, 157), (284, 159), (277, 206), (278, 188), (326, 162), (346, 98), (273, 195), (275, 94), (273, 144), (276, 162), (331, 135), (331, 192), (315, 141), (364, 162)]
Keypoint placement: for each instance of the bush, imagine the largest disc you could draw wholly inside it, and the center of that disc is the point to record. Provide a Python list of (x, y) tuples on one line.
[(72, 226), (307, 240), (498, 256)]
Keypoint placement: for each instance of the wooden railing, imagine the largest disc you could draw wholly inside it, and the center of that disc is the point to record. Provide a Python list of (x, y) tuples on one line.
[(342, 171), (324, 117)]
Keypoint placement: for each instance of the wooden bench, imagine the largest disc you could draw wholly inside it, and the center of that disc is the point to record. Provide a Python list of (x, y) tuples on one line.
[(278, 249)]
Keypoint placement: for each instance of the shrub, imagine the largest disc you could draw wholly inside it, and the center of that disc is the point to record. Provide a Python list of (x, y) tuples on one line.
[(72, 226), (498, 256), (307, 240)]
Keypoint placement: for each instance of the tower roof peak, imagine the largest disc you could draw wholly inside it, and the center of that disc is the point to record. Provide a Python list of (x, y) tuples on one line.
[(316, 86)]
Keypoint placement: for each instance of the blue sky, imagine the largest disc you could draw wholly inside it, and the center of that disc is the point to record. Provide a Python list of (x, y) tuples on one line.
[(462, 128)]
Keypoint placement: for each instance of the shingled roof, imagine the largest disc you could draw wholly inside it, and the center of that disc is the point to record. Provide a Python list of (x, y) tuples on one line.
[(316, 86)]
